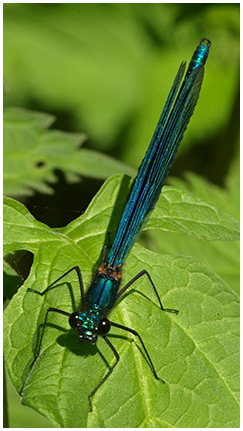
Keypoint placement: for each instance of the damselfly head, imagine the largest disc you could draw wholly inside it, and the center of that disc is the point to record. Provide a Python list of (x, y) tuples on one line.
[(89, 326)]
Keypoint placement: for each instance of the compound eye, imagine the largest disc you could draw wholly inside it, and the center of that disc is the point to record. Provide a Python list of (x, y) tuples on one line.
[(104, 326), (74, 320)]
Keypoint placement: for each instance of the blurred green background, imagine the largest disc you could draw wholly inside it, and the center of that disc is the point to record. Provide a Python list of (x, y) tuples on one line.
[(105, 70)]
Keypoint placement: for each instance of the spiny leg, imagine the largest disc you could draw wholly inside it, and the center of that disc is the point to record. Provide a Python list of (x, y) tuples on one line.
[(77, 269), (108, 373), (140, 274), (125, 328), (56, 310)]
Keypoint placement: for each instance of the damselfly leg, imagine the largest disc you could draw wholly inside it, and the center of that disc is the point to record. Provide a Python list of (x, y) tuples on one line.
[(140, 274)]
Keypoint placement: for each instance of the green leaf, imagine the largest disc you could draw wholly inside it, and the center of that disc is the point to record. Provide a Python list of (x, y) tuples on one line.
[(22, 416), (196, 352), (181, 211), (221, 256), (32, 153), (226, 198)]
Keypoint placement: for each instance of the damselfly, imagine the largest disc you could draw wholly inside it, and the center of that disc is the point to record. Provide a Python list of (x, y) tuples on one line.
[(91, 321)]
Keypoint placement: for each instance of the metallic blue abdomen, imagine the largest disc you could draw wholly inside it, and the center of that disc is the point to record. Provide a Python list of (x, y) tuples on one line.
[(200, 56)]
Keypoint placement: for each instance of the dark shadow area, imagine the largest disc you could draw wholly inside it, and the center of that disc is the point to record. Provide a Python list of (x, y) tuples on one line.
[(20, 262), (11, 284), (71, 342), (67, 202)]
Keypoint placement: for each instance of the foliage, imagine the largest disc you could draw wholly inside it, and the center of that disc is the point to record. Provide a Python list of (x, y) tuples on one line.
[(32, 153), (106, 69), (197, 351)]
